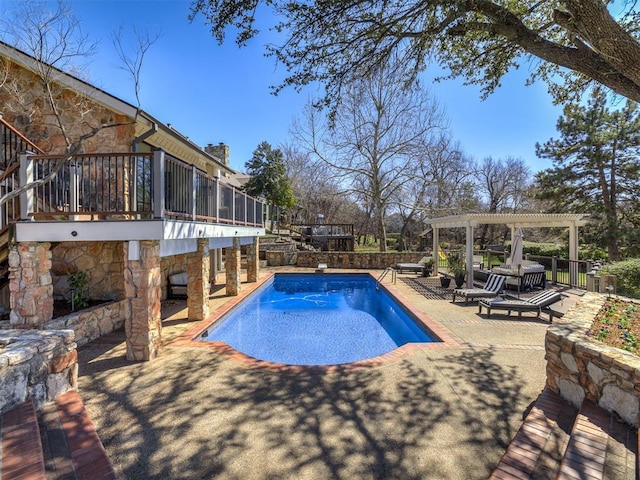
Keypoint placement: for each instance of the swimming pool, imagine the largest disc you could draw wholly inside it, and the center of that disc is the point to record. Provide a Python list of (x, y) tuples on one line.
[(317, 319)]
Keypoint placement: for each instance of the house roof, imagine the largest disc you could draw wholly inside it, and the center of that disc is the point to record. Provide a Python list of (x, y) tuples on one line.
[(157, 133), (514, 220)]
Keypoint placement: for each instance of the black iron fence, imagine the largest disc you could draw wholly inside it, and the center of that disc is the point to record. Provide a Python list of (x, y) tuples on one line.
[(561, 271)]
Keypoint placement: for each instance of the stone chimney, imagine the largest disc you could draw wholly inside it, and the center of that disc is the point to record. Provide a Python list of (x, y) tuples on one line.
[(220, 151)]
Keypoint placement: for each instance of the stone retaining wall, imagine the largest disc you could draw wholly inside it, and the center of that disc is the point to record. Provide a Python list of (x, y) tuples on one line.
[(102, 261), (277, 258), (36, 364), (578, 367), (372, 260), (93, 322)]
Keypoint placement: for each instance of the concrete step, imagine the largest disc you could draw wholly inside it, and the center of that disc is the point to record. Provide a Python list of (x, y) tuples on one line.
[(59, 442)]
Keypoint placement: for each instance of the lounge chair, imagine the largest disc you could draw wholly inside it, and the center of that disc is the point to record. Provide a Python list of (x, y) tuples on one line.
[(538, 303), (493, 287), (413, 267), (530, 275)]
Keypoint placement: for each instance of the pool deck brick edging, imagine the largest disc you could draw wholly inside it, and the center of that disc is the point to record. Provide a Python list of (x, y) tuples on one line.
[(78, 452)]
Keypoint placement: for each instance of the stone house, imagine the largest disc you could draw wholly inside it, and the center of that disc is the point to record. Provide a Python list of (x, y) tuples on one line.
[(138, 203)]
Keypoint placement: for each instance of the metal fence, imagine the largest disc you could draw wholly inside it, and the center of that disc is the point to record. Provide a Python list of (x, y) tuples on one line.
[(131, 186), (561, 271)]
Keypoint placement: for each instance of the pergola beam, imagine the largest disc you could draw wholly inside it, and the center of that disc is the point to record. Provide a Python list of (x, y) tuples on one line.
[(514, 220)]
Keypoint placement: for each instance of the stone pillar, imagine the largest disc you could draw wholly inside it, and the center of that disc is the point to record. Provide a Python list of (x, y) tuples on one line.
[(253, 260), (198, 281), (232, 267), (143, 325), (30, 285)]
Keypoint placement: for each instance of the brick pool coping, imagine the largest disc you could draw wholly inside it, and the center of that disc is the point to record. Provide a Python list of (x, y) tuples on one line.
[(188, 338)]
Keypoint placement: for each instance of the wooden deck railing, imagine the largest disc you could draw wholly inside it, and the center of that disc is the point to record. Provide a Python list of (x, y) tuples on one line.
[(131, 186), (12, 144)]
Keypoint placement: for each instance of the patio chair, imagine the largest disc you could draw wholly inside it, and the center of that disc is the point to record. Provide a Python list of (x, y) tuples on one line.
[(493, 287), (538, 303), (413, 267)]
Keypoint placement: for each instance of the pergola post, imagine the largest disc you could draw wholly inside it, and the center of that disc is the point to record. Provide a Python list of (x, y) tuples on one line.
[(573, 255), (469, 258), (435, 253)]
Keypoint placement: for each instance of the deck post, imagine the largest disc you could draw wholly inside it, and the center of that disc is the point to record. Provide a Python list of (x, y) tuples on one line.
[(218, 200), (26, 177), (142, 284), (198, 281), (74, 191), (232, 267), (30, 284), (253, 259), (158, 184), (194, 194)]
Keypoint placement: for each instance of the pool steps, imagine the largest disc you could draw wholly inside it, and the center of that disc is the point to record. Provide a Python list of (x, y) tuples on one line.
[(559, 441), (384, 274), (57, 442)]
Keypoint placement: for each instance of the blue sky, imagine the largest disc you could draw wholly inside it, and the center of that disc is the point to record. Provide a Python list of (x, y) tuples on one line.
[(213, 93)]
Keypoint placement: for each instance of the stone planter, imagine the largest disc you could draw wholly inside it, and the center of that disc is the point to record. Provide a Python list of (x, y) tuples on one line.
[(578, 367)]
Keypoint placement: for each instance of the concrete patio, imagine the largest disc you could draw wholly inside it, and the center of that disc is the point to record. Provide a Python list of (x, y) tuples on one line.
[(437, 413)]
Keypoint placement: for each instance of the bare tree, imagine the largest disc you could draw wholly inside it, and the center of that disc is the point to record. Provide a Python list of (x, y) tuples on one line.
[(133, 60), (440, 186), (55, 45), (373, 142), (503, 184)]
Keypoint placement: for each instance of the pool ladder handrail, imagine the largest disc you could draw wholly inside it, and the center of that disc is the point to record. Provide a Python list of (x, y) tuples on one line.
[(384, 274)]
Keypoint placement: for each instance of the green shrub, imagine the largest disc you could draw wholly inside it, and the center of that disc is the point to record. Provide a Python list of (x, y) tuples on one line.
[(627, 274), (544, 249), (78, 282), (593, 252)]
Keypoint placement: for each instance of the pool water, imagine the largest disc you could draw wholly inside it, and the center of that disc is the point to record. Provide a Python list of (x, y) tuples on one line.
[(317, 319)]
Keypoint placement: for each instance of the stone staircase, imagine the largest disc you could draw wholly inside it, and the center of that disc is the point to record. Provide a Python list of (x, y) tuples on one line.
[(559, 441), (59, 442)]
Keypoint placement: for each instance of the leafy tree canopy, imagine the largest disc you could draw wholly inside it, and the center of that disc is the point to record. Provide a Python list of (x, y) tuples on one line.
[(576, 42)]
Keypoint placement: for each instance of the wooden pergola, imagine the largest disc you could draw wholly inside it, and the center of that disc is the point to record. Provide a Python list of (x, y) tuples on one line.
[(572, 221)]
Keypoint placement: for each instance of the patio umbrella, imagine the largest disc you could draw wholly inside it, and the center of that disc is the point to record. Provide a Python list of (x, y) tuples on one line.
[(516, 249)]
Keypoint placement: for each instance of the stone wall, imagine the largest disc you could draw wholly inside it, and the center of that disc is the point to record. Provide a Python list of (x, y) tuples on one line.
[(30, 284), (579, 368), (91, 323), (280, 258), (30, 115), (36, 364), (101, 261), (357, 260)]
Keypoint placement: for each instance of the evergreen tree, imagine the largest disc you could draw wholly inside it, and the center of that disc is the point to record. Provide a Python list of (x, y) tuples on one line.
[(596, 168), (269, 178)]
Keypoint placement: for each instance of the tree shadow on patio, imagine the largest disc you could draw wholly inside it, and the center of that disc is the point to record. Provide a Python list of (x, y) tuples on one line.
[(191, 414)]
